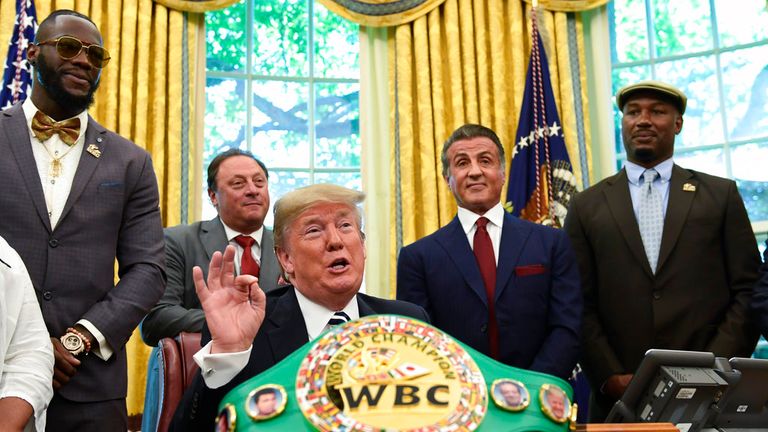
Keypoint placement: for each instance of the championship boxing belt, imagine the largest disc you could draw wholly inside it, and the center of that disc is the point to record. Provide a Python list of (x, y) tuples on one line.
[(388, 372)]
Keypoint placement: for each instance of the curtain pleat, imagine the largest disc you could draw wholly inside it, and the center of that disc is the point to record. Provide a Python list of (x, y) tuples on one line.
[(140, 97), (465, 62)]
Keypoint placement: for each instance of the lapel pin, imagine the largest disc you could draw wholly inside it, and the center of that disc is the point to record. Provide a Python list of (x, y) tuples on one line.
[(93, 149), (688, 187), (99, 139)]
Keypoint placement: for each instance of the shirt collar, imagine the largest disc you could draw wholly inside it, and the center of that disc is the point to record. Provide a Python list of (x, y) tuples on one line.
[(635, 171), (231, 233), (469, 218), (316, 317), (30, 110)]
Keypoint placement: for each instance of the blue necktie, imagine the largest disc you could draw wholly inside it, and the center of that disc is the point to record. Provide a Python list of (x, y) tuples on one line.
[(338, 318), (650, 217)]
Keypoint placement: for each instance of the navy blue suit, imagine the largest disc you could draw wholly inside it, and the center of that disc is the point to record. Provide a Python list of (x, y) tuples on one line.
[(537, 297)]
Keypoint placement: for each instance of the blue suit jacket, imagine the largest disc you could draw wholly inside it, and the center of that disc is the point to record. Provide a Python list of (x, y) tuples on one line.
[(538, 297)]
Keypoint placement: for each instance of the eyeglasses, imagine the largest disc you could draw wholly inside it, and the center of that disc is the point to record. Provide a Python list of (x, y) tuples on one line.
[(69, 47)]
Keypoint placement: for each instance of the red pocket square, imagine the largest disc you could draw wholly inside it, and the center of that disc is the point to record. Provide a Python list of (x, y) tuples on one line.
[(530, 270)]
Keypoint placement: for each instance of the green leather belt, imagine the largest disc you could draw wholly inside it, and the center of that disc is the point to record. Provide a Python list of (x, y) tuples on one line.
[(388, 372)]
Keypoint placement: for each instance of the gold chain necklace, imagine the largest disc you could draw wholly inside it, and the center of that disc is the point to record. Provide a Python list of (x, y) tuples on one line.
[(55, 170)]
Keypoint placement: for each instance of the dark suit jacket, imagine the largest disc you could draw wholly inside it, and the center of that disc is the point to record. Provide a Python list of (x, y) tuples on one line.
[(537, 296), (112, 212), (699, 297), (760, 298), (282, 332), (192, 245)]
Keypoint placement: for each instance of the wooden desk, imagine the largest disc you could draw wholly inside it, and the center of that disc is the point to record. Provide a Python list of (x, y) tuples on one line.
[(627, 427)]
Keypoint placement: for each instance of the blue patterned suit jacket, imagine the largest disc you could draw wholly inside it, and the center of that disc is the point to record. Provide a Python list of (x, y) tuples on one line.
[(112, 213), (537, 297)]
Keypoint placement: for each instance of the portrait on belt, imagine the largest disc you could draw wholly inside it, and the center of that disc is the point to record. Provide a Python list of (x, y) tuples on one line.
[(266, 402), (554, 403), (227, 419), (510, 395)]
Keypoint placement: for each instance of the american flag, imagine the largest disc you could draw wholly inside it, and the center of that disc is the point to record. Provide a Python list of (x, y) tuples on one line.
[(17, 73), (541, 181)]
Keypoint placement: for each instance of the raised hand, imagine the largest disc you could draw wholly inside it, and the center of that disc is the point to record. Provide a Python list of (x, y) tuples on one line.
[(234, 306)]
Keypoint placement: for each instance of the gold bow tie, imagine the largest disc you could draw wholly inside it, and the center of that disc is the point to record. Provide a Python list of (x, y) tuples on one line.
[(43, 127)]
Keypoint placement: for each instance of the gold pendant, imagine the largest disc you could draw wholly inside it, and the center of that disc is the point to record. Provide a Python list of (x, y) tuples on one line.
[(55, 168)]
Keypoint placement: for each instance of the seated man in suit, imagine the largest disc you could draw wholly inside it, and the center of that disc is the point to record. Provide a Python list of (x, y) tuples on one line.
[(319, 244), (760, 297), (238, 188), (506, 287)]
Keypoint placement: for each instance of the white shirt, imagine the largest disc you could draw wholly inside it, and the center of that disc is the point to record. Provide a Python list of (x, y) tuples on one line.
[(56, 189), (495, 215), (255, 249), (26, 354), (219, 369)]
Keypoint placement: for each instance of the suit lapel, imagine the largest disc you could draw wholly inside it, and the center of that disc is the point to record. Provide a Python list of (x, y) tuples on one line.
[(213, 236), (289, 329), (454, 240), (94, 136), (363, 308), (270, 269), (514, 235), (678, 205), (620, 204), (17, 137)]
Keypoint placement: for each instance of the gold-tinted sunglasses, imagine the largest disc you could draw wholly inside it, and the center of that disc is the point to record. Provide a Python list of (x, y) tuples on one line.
[(69, 47)]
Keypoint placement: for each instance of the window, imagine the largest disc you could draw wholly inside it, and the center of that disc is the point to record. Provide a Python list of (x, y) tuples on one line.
[(282, 80), (716, 51)]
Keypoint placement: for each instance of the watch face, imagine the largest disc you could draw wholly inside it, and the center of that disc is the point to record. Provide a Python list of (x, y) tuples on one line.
[(72, 343)]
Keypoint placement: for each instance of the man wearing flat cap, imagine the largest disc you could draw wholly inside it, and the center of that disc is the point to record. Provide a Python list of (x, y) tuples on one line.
[(667, 254)]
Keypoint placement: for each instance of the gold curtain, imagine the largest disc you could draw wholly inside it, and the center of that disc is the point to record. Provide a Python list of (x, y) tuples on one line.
[(380, 13), (147, 94), (465, 62), (196, 5), (384, 13), (569, 5)]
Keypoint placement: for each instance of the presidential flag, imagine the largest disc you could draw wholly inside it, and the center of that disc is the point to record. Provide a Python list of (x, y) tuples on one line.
[(17, 74), (541, 181)]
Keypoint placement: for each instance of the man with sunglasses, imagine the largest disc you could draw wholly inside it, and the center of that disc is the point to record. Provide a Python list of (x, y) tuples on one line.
[(77, 197)]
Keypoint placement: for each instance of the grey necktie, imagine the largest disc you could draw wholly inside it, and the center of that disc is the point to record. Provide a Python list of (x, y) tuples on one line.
[(650, 217)]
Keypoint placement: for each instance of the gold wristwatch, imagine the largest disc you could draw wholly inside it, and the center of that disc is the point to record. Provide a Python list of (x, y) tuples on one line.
[(73, 342)]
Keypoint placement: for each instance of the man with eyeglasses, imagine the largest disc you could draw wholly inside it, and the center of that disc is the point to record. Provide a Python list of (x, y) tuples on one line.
[(77, 197)]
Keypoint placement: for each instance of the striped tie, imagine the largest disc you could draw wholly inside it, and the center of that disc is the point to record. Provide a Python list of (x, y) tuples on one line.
[(338, 318)]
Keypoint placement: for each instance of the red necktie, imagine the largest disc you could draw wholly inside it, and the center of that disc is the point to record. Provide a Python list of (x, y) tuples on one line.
[(248, 265), (486, 261)]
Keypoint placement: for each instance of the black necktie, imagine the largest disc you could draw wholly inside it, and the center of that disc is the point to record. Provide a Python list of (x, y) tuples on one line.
[(338, 318)]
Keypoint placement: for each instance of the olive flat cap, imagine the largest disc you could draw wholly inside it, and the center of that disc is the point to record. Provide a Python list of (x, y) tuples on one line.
[(667, 91)]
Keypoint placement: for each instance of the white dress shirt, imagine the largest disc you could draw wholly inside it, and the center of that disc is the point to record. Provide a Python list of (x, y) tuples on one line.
[(26, 354), (495, 215), (255, 249), (219, 369), (56, 189)]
